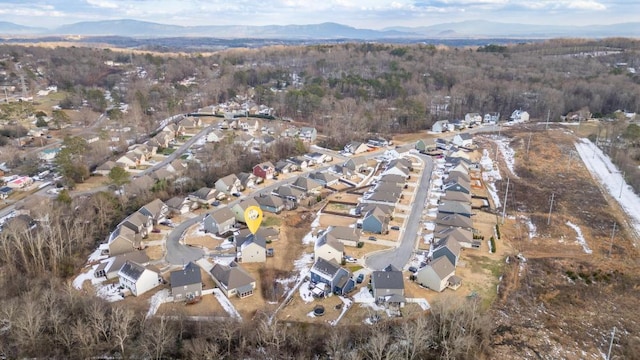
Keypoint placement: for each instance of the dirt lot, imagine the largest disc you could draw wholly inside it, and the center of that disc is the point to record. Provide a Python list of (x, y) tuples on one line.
[(563, 301), (336, 220), (208, 306), (298, 310)]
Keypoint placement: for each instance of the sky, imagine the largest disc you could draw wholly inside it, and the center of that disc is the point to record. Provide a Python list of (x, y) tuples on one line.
[(369, 14)]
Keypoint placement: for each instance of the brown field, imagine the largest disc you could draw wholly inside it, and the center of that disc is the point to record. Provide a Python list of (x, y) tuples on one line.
[(155, 252), (336, 220), (207, 306)]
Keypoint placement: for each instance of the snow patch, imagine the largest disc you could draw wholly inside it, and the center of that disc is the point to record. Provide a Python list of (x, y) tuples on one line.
[(347, 304), (579, 237), (305, 293), (226, 304), (601, 167), (80, 279), (109, 292), (97, 255), (156, 300)]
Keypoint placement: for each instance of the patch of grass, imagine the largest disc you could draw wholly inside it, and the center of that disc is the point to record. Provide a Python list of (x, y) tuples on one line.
[(167, 151), (485, 263), (354, 268), (271, 221)]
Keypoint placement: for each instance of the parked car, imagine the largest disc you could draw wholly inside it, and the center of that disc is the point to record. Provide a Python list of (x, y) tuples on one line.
[(395, 227), (237, 194), (155, 230), (215, 203), (350, 259), (413, 269), (360, 279), (372, 238)]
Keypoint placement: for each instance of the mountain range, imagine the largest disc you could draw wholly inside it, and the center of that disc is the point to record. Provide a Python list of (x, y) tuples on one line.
[(454, 30)]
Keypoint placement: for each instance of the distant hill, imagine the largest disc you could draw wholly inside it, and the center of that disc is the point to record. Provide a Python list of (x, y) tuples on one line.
[(483, 28), (479, 29), (136, 28), (15, 29)]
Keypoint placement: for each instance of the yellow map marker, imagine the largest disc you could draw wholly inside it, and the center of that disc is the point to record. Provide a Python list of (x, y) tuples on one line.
[(253, 218)]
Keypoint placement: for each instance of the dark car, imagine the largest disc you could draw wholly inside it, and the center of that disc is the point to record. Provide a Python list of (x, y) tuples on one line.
[(413, 269), (360, 279), (237, 194), (215, 203), (372, 238), (395, 228)]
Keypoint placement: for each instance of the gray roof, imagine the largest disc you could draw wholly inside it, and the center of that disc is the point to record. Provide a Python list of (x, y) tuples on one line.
[(458, 176), (329, 268), (454, 220), (456, 196), (324, 240), (269, 200), (231, 276), (137, 219), (456, 184), (245, 237), (188, 276), (131, 270), (222, 215), (287, 190), (115, 263), (364, 208), (154, 207), (344, 232), (323, 176), (450, 243), (393, 178), (176, 202), (306, 183), (203, 193), (443, 267), (462, 235), (455, 207), (387, 280)]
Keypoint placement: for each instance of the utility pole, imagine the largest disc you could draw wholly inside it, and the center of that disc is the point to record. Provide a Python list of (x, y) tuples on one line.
[(504, 207), (613, 234), (548, 116), (613, 336), (622, 184), (550, 208)]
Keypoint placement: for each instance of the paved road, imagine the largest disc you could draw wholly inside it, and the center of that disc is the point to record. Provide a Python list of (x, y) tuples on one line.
[(401, 255)]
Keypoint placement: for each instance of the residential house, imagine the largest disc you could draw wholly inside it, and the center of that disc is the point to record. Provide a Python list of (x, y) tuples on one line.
[(186, 284), (140, 223), (48, 154), (441, 126), (270, 203), (163, 174), (308, 134), (337, 279), (307, 184), (457, 185), (250, 247), (191, 122), (5, 191), (138, 279), (455, 220), (215, 136), (220, 222), (324, 178), (455, 207), (248, 180), (126, 162), (458, 124), (233, 280), (438, 275), (240, 207), (288, 192), (375, 221), (356, 164), (464, 237), (356, 147), (299, 161), (329, 249), (382, 197), (473, 119), (459, 176), (378, 142), (284, 167), (349, 236), (388, 286), (456, 196), (463, 140), (393, 179), (265, 170), (344, 173), (19, 182), (156, 210), (424, 145), (109, 267), (229, 184), (181, 205), (105, 168), (243, 139), (448, 247), (177, 166), (364, 208), (519, 116), (318, 158), (206, 195), (491, 118)]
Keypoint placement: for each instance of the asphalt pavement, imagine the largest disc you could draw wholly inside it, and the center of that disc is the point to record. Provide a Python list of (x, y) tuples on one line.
[(401, 255)]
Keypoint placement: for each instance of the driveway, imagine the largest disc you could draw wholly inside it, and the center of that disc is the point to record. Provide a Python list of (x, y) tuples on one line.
[(401, 255)]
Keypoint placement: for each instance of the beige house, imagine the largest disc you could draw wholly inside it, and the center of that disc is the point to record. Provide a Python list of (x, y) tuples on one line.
[(239, 208), (438, 275), (328, 249), (233, 280), (349, 236), (122, 240), (250, 248)]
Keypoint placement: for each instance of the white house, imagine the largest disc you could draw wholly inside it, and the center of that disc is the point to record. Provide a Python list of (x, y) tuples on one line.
[(519, 116), (463, 140), (328, 249), (137, 279)]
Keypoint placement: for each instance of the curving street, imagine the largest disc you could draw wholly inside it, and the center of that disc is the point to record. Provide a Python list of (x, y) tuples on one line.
[(401, 255)]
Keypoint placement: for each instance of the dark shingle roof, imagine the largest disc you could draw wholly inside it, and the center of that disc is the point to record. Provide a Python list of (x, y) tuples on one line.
[(387, 280), (131, 270), (187, 276)]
